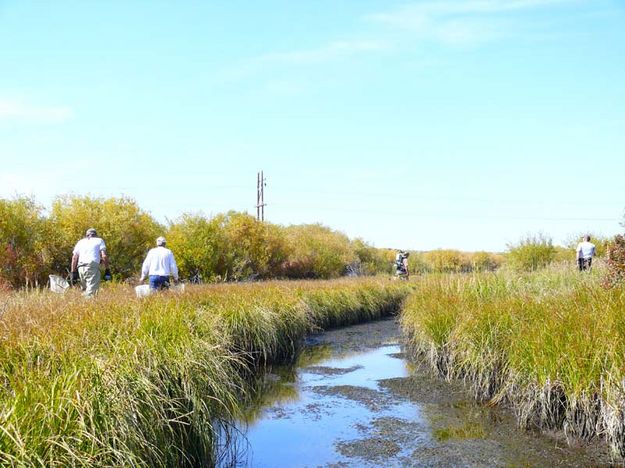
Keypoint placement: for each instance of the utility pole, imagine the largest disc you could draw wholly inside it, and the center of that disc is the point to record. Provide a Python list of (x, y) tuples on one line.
[(261, 182)]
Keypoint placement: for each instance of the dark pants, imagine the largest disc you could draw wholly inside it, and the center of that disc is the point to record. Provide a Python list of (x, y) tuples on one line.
[(159, 282), (584, 263)]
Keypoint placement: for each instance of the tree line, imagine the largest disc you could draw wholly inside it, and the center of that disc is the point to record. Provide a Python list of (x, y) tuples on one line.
[(36, 242)]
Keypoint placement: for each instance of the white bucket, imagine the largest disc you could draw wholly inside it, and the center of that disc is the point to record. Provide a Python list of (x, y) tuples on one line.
[(143, 290), (58, 284)]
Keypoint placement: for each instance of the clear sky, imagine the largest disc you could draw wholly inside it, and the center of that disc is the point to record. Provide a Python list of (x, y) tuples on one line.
[(427, 124)]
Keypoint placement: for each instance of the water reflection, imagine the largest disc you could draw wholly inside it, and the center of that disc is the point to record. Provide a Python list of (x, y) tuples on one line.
[(351, 399)]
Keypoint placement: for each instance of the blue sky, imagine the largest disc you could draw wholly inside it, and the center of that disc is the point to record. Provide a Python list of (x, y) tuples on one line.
[(425, 124)]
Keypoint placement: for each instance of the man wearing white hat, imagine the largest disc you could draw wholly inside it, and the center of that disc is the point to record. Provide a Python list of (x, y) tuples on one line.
[(159, 265), (86, 258)]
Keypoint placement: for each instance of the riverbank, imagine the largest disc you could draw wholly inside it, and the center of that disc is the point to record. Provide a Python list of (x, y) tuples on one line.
[(353, 398), (123, 381), (551, 345)]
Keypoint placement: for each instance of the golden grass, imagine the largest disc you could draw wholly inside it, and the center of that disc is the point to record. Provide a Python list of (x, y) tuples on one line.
[(149, 382), (551, 343)]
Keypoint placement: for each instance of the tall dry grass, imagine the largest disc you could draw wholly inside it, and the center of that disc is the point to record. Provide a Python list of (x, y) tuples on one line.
[(549, 343), (122, 381)]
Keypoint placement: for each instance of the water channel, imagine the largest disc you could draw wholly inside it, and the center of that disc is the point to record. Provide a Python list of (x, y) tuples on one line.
[(353, 399)]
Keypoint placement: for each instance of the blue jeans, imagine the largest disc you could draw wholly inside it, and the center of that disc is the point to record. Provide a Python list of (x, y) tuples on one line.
[(159, 282)]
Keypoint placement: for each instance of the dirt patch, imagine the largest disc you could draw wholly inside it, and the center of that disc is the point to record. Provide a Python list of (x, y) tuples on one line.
[(374, 400), (482, 453), (383, 440), (465, 433), (322, 370), (358, 337), (399, 355), (316, 411), (423, 389), (372, 449)]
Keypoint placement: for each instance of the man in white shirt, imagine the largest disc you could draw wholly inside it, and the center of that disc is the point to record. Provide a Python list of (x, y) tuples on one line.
[(159, 265), (585, 252), (86, 258)]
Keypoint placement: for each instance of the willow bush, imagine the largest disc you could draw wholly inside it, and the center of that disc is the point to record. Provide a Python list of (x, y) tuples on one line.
[(225, 247), (23, 239), (531, 253), (127, 230), (615, 274)]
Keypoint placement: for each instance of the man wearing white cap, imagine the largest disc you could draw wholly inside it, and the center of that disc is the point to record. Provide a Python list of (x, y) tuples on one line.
[(159, 265), (86, 258)]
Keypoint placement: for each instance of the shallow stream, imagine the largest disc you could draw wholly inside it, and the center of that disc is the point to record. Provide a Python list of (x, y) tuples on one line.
[(352, 399)]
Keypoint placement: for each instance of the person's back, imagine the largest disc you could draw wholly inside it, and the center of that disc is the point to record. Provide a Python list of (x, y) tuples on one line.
[(86, 258), (160, 261), (401, 264), (585, 252), (586, 249), (159, 265), (89, 249)]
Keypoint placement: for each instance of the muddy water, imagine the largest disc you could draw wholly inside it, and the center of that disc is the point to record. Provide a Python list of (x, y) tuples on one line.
[(352, 399)]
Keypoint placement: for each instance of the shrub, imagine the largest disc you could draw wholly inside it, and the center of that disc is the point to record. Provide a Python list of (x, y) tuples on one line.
[(531, 253), (447, 261), (484, 261), (255, 249), (127, 230), (615, 261), (316, 251), (417, 263), (22, 242), (371, 260), (601, 244), (199, 245)]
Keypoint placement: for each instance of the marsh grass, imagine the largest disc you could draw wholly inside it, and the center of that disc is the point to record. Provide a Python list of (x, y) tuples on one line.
[(469, 430), (150, 382), (550, 343)]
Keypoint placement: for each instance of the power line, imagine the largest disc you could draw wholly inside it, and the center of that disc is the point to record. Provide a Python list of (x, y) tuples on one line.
[(450, 215), (434, 197)]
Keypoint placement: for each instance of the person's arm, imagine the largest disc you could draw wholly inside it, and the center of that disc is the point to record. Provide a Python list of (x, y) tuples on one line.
[(103, 256), (105, 259), (74, 262), (173, 266), (145, 268)]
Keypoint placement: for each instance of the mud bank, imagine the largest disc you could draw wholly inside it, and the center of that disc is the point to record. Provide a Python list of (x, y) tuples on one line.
[(352, 399)]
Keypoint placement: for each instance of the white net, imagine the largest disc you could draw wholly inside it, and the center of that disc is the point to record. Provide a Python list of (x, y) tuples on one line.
[(143, 290), (58, 284)]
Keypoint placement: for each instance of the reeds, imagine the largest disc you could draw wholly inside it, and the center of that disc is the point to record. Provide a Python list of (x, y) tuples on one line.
[(123, 381), (551, 344)]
